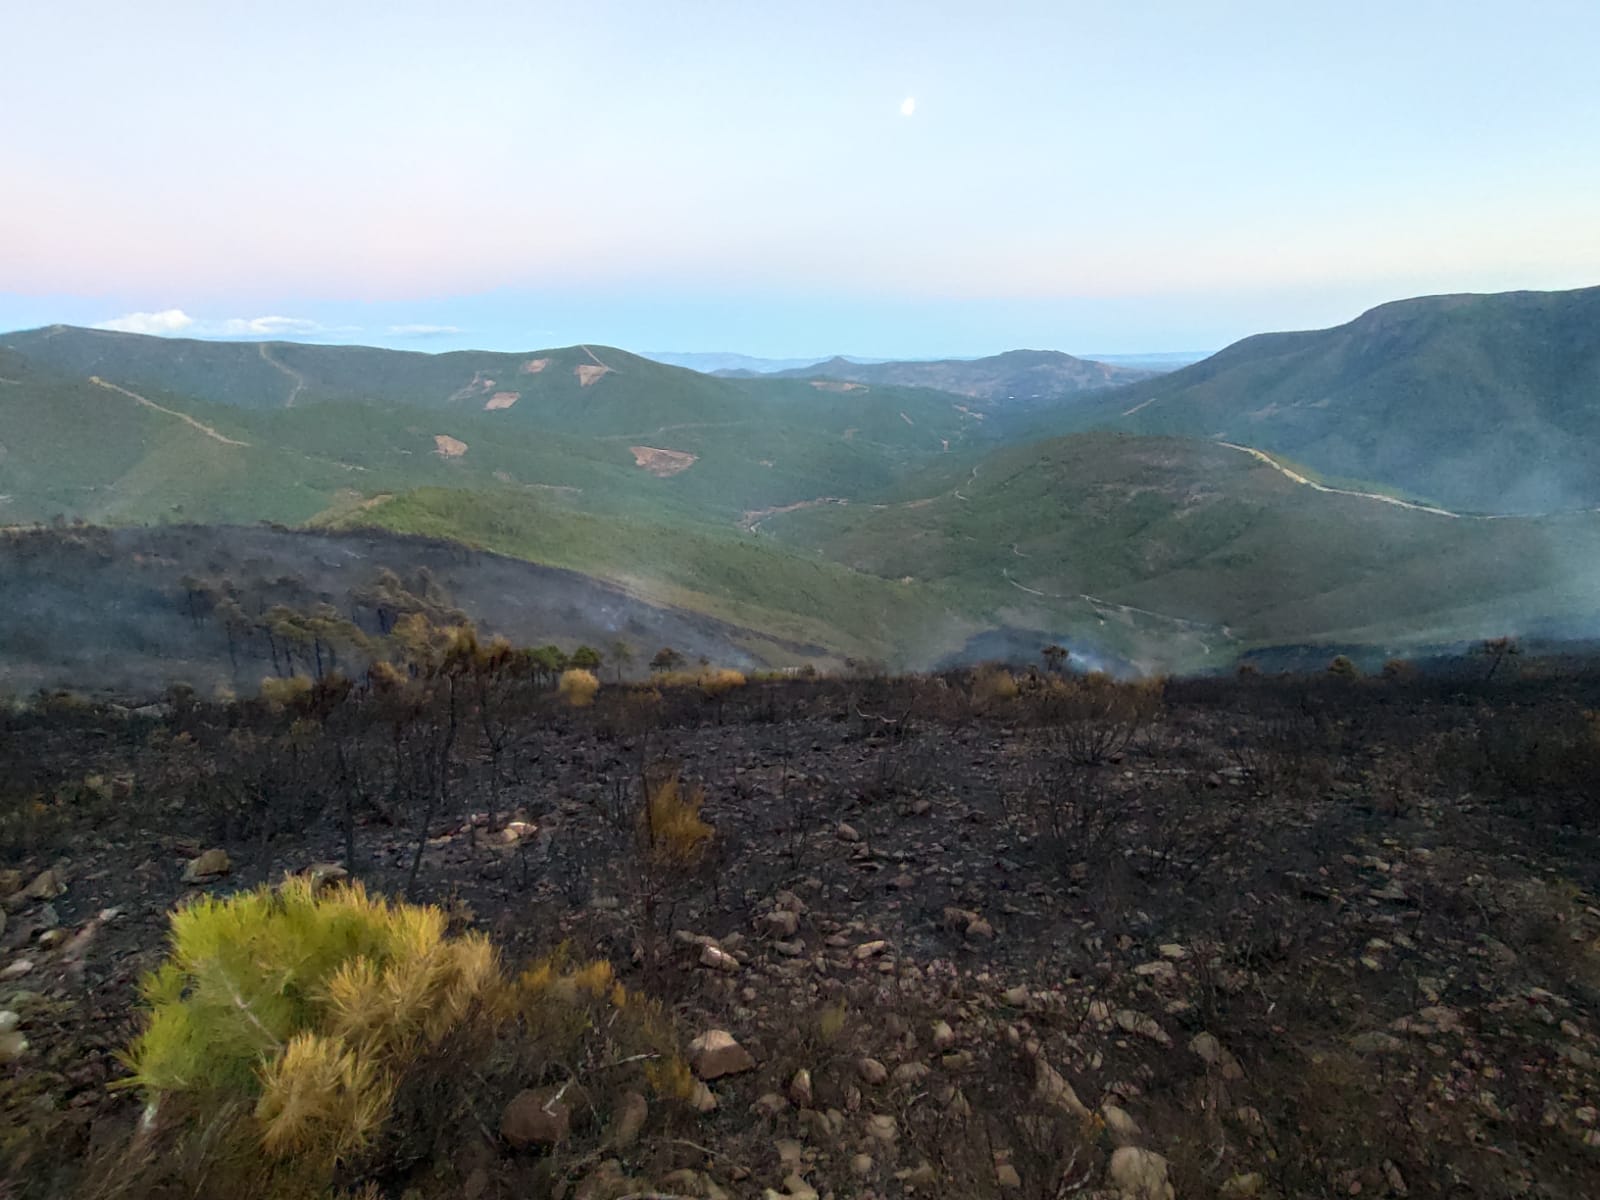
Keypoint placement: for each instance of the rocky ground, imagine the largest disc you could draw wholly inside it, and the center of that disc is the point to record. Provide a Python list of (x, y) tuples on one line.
[(1281, 943)]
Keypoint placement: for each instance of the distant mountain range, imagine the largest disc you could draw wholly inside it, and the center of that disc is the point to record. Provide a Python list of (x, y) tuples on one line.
[(1021, 378), (1482, 402), (712, 362), (737, 364)]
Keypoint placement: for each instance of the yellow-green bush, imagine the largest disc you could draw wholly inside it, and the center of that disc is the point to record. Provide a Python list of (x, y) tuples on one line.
[(992, 686), (675, 835), (299, 1034), (578, 687), (286, 691), (279, 992), (721, 681)]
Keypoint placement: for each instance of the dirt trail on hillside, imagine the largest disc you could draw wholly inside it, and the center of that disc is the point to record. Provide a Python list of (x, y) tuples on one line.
[(171, 412), (298, 379), (1098, 602), (1288, 473), (751, 521), (1425, 508)]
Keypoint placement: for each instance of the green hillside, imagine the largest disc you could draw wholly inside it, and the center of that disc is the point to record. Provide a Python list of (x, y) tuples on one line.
[(1220, 547), (1483, 403), (861, 520)]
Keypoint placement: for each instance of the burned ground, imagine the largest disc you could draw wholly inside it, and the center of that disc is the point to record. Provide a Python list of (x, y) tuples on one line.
[(1298, 937)]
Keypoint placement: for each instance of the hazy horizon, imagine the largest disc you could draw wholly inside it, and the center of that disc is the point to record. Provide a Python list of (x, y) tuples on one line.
[(899, 181)]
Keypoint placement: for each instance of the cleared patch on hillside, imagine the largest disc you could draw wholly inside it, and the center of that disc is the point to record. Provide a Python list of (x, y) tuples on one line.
[(837, 385), (446, 446), (502, 400), (662, 463), (534, 365), (590, 373)]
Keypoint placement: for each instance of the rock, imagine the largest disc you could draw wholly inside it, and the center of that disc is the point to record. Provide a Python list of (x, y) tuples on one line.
[(980, 930), (1137, 1174), (783, 923), (1132, 1022), (210, 865), (702, 1099), (954, 918), (923, 1175), (911, 1073), (1243, 1187), (869, 949), (882, 1128), (10, 1020), (1211, 1052), (1016, 997), (718, 959), (861, 1164), (632, 1113), (1050, 1088), (847, 833), (769, 1104), (1124, 1130), (51, 938), (790, 1152), (943, 1036), (823, 1127), (1172, 951), (800, 1093), (794, 1188), (48, 918), (714, 1054), (872, 1071), (1158, 969), (46, 885), (608, 1180), (536, 1117), (12, 1047), (16, 970), (322, 875)]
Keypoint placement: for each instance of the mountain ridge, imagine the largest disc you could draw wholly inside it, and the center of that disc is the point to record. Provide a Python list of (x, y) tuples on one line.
[(1021, 378), (1484, 402)]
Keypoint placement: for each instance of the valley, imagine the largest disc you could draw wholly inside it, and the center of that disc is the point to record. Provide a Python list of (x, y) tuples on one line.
[(1171, 522)]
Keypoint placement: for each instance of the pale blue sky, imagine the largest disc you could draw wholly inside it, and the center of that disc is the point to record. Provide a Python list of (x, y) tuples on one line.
[(705, 175)]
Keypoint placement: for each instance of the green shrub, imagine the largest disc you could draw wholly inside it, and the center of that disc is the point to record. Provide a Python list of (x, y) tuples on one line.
[(296, 1040)]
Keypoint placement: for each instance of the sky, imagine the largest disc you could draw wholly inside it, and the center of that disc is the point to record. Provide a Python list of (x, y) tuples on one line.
[(882, 179)]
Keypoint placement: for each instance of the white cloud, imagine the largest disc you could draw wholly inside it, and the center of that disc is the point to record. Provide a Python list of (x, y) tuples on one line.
[(423, 330), (268, 327), (171, 320), (175, 320)]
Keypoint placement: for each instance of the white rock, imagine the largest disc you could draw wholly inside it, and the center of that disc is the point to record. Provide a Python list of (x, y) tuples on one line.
[(1138, 1174), (715, 1053)]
